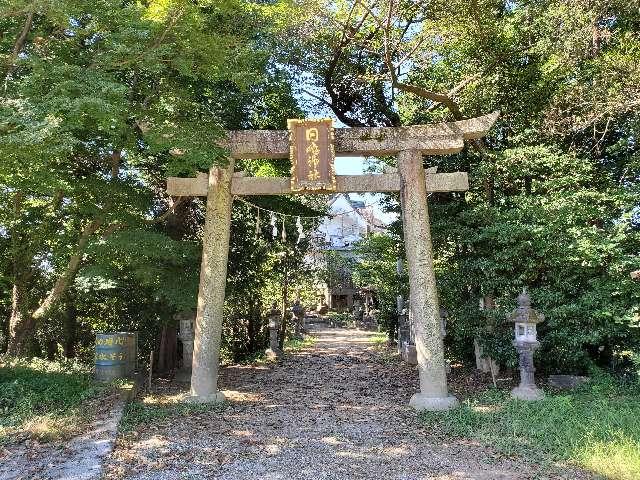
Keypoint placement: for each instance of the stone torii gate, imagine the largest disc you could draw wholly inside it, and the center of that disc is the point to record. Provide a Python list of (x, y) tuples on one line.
[(315, 145)]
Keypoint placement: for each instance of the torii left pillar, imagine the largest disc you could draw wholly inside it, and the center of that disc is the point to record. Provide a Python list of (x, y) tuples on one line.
[(213, 278)]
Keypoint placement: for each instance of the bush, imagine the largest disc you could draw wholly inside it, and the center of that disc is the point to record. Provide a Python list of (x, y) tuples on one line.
[(344, 319)]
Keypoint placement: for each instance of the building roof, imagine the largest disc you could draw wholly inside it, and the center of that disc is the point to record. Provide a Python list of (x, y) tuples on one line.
[(350, 220), (361, 209)]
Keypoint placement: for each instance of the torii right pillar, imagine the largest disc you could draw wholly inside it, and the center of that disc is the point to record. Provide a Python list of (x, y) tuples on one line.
[(423, 302)]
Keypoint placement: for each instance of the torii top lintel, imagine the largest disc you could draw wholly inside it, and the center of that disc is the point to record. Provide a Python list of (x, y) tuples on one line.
[(435, 139)]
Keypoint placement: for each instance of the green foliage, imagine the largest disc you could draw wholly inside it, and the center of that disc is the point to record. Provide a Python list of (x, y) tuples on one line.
[(379, 339), (377, 266), (262, 269), (103, 102), (554, 196), (341, 319), (33, 389), (167, 269), (549, 230), (595, 426), (295, 345)]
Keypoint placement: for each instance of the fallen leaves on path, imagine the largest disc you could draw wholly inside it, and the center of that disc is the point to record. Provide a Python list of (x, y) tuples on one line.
[(334, 410)]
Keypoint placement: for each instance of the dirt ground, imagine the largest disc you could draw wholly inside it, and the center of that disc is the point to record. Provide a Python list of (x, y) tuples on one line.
[(335, 410)]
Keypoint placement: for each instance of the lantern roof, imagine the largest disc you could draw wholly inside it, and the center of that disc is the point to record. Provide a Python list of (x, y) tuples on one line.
[(524, 313)]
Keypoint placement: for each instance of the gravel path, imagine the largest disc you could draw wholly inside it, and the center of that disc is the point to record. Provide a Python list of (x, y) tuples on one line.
[(336, 410)]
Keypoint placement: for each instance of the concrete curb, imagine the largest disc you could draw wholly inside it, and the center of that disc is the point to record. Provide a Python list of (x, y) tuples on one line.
[(86, 454), (79, 458)]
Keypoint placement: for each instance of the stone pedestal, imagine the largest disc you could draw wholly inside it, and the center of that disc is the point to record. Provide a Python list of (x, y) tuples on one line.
[(410, 354), (298, 319), (423, 301), (403, 332), (420, 402), (527, 389), (274, 351), (567, 382), (186, 335), (213, 279)]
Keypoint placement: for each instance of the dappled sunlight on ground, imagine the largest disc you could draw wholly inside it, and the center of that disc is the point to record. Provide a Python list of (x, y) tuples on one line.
[(332, 411), (243, 397), (486, 408), (396, 451), (154, 442), (617, 459), (247, 367), (164, 399)]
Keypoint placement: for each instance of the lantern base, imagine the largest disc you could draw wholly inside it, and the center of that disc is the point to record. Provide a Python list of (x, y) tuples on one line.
[(421, 402), (527, 393)]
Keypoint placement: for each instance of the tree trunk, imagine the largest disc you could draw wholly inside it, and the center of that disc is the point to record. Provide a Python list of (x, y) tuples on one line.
[(167, 351), (51, 349), (20, 41), (484, 362), (68, 275), (22, 323), (70, 329), (285, 302), (254, 326), (22, 326)]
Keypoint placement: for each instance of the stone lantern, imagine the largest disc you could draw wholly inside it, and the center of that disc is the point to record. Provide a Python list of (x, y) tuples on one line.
[(526, 342), (298, 317), (186, 335), (404, 330), (444, 316), (273, 316)]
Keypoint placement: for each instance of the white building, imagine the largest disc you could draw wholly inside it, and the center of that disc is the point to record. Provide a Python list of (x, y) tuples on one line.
[(350, 220)]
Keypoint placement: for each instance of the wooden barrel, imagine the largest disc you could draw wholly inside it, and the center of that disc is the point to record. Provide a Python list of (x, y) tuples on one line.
[(115, 355)]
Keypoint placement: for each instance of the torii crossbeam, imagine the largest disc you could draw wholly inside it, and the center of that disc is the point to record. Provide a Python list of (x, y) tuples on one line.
[(409, 144)]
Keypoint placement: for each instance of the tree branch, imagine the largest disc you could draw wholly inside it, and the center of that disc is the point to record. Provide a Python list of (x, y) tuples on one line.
[(173, 20), (116, 156), (19, 43), (63, 281), (442, 98), (317, 97), (345, 39), (115, 226), (162, 217), (75, 261)]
